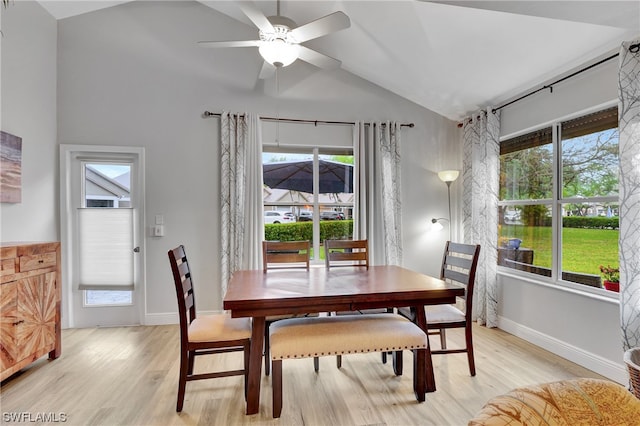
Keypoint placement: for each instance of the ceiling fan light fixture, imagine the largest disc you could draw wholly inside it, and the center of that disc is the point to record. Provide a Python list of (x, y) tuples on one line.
[(278, 52)]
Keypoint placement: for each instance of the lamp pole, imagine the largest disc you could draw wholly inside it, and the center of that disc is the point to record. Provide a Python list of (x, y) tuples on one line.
[(449, 200), (448, 176)]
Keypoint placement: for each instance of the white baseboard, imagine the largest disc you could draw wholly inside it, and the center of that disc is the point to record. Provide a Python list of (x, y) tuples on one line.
[(605, 367), (161, 319), (169, 318)]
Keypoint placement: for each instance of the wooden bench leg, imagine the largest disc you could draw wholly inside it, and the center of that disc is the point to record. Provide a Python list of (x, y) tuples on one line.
[(397, 362), (339, 361), (420, 373), (316, 363), (276, 382)]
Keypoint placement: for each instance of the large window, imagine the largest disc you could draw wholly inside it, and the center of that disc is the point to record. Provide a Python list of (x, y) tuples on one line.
[(308, 195), (558, 205)]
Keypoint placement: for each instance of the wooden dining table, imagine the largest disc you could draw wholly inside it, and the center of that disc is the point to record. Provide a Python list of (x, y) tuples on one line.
[(258, 294)]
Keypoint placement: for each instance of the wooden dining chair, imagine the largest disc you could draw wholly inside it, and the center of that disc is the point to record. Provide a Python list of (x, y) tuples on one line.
[(353, 253), (204, 335), (346, 253), (459, 265), (285, 255)]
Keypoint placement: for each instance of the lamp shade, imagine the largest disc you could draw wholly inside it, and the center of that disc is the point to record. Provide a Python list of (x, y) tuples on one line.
[(448, 175), (278, 52), (436, 226)]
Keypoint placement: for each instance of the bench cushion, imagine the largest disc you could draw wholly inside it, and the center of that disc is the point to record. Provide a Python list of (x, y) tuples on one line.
[(339, 335)]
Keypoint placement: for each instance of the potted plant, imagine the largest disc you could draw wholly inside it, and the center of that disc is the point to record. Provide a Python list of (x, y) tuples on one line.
[(611, 277)]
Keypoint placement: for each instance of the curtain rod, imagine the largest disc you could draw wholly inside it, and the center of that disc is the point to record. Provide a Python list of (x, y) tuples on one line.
[(297, 120), (634, 48)]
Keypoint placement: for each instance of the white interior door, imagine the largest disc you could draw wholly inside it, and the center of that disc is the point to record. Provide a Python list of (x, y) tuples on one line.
[(102, 235)]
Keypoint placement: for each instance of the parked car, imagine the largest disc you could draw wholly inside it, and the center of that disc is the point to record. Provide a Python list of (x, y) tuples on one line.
[(331, 215), (511, 216), (305, 216), (273, 216)]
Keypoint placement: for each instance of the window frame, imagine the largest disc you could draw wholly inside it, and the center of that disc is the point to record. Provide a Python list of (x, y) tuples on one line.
[(556, 203)]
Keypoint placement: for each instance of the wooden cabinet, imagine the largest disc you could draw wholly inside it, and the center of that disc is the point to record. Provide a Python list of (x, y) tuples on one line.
[(30, 297)]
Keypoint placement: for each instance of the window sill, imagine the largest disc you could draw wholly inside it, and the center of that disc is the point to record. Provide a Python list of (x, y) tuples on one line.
[(566, 286)]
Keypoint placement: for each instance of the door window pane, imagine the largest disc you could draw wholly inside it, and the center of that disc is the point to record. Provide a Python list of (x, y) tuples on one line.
[(107, 185)]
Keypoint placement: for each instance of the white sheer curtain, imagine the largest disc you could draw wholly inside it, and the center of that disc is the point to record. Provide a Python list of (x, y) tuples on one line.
[(629, 150), (376, 148), (241, 229), (481, 166)]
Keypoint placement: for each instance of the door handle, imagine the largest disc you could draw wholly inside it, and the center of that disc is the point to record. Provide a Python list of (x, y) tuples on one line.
[(136, 250)]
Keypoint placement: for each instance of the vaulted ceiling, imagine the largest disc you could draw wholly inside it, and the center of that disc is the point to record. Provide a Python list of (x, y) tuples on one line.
[(451, 57)]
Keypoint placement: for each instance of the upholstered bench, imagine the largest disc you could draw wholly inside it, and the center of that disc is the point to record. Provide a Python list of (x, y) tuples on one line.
[(588, 402), (342, 335)]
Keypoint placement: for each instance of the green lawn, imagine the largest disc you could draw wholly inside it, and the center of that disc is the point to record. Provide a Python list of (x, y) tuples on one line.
[(584, 250)]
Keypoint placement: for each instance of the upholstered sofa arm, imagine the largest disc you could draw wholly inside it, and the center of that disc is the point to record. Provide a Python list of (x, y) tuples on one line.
[(573, 402)]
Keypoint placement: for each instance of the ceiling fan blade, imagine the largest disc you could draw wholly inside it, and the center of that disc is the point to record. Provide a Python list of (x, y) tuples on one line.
[(256, 16), (328, 24), (318, 59), (239, 43), (267, 71)]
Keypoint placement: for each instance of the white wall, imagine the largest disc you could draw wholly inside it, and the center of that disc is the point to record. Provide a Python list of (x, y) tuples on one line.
[(133, 75), (582, 328), (594, 87), (29, 111)]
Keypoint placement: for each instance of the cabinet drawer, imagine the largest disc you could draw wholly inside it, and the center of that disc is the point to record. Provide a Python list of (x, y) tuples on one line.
[(8, 252), (7, 266), (37, 261)]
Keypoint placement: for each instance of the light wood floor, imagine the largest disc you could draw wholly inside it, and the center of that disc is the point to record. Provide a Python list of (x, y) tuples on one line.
[(128, 376)]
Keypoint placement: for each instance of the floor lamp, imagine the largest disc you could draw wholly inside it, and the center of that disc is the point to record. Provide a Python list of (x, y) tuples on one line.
[(447, 176)]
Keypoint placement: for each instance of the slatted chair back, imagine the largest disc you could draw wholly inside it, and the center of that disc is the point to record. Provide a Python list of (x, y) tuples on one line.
[(184, 288), (346, 253), (286, 254), (459, 265)]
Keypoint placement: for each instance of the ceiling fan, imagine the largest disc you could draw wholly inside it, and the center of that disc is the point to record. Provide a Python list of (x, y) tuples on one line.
[(280, 38)]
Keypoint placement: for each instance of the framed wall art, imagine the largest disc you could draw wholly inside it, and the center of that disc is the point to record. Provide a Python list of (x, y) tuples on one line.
[(10, 168)]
